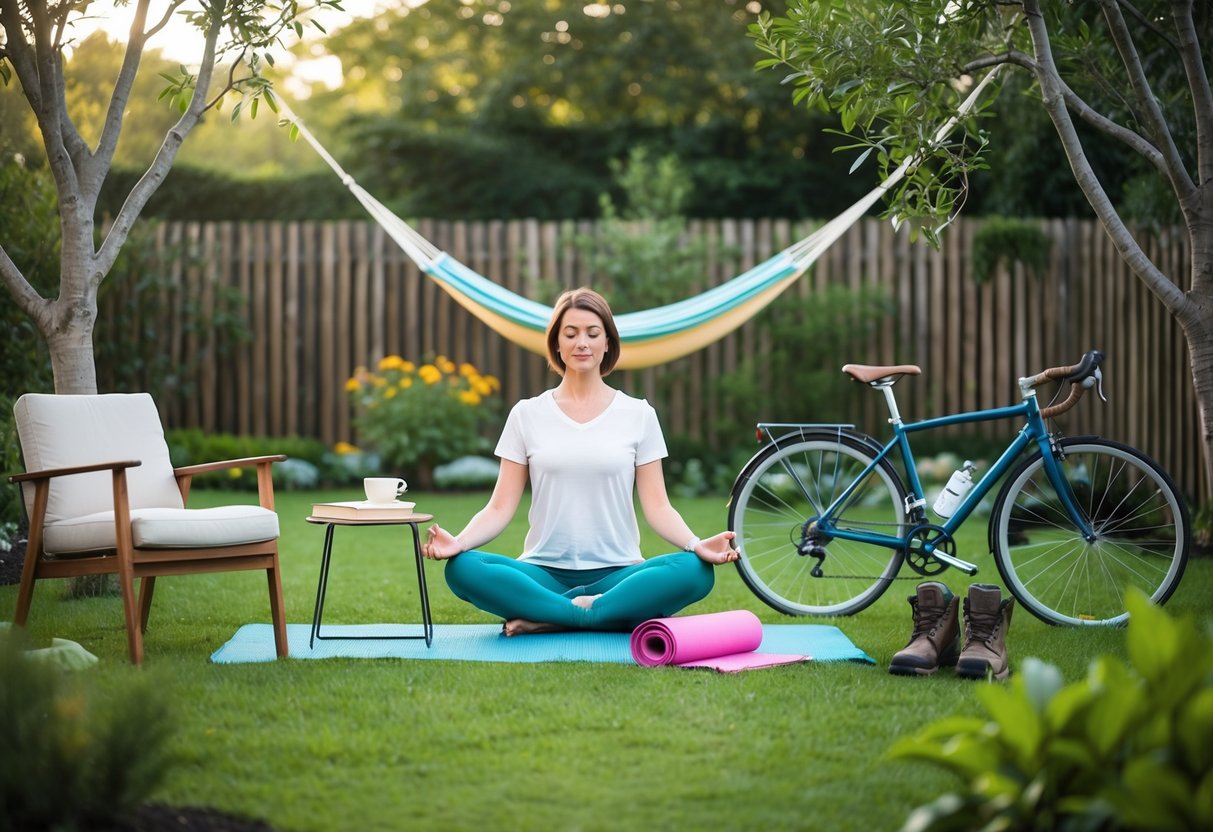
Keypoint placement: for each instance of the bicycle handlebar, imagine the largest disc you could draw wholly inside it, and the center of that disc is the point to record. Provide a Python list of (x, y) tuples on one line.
[(1081, 376)]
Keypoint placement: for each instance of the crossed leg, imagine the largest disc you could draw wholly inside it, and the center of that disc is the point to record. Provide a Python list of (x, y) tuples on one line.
[(534, 599)]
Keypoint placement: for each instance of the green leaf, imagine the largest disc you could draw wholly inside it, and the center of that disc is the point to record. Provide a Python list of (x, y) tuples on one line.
[(1019, 725), (859, 160), (1196, 731), (1155, 794)]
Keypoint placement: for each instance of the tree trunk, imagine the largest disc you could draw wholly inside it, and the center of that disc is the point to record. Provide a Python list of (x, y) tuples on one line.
[(72, 361), (1199, 337)]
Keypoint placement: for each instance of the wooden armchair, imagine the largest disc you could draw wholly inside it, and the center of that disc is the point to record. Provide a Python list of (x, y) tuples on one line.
[(102, 497)]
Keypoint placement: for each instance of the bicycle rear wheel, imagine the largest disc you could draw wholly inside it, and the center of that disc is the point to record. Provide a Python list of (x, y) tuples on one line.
[(774, 504), (1142, 534)]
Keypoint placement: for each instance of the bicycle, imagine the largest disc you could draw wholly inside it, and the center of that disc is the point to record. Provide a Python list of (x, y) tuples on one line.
[(825, 520)]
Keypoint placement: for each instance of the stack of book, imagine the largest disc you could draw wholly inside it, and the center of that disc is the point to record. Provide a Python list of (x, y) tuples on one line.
[(363, 510)]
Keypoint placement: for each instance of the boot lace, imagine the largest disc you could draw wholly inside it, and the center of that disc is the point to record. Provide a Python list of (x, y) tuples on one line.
[(926, 619), (982, 626)]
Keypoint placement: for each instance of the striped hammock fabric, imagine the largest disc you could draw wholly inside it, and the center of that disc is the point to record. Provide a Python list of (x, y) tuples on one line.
[(649, 337)]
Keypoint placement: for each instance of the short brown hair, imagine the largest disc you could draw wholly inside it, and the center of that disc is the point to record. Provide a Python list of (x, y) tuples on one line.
[(590, 301)]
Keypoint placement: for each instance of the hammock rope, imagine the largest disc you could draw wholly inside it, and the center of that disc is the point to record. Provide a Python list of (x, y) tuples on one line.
[(649, 337)]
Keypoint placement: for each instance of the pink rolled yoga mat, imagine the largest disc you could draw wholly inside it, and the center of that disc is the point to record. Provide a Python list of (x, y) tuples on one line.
[(724, 641)]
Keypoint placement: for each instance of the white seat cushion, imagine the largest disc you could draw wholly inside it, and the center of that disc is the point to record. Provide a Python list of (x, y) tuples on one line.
[(165, 528)]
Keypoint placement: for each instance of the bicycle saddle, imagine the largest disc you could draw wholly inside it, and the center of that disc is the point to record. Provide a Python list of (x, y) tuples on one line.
[(868, 373)]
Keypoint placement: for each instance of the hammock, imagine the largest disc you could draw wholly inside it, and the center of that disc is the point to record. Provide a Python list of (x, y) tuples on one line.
[(649, 337)]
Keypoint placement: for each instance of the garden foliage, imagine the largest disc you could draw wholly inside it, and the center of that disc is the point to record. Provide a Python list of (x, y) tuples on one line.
[(417, 417), (71, 758), (1129, 747)]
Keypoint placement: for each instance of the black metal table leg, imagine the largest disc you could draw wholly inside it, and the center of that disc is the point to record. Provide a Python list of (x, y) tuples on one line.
[(427, 621)]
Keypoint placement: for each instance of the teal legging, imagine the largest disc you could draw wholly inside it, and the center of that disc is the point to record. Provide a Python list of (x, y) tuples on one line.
[(630, 595)]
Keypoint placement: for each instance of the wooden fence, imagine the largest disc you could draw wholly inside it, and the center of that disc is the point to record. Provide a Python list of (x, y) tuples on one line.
[(322, 298)]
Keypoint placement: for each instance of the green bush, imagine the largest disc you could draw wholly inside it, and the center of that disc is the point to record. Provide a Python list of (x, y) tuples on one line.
[(1010, 239), (795, 377), (310, 462), (72, 759), (1128, 748)]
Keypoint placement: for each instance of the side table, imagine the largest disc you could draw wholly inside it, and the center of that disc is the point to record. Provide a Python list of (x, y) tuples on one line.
[(427, 622)]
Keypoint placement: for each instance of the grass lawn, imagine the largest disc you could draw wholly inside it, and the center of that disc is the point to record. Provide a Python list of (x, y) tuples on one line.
[(386, 745)]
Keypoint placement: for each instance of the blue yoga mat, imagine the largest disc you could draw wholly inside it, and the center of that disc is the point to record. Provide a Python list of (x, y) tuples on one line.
[(485, 643)]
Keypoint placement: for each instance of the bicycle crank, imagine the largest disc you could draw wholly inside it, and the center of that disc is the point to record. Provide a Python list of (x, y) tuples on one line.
[(939, 556)]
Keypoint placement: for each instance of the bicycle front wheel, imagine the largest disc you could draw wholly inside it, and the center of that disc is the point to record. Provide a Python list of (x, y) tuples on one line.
[(773, 510), (1142, 535)]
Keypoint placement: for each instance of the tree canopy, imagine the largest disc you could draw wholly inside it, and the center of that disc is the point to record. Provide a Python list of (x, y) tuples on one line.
[(1120, 83), (491, 108)]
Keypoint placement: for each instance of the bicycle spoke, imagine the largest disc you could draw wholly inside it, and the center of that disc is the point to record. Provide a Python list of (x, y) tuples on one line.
[(1140, 534), (775, 512)]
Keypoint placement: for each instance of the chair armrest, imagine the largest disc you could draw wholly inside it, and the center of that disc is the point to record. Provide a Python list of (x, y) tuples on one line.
[(77, 469), (265, 482), (205, 467)]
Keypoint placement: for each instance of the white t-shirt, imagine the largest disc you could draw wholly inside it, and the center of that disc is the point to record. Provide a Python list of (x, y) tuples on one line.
[(582, 477)]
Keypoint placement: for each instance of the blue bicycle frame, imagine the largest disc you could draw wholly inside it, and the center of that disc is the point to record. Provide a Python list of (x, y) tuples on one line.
[(1033, 431)]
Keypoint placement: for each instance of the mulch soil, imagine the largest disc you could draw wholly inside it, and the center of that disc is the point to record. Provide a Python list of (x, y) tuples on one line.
[(151, 817), (10, 563)]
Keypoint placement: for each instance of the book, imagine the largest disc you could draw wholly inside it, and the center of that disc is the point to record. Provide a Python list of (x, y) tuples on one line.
[(363, 510)]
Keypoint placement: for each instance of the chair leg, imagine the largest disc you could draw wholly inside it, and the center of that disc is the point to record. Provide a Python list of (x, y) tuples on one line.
[(146, 586), (277, 613), (25, 595), (130, 611)]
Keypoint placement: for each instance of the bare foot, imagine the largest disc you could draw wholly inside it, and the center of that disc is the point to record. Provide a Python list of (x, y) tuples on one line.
[(522, 627), (586, 601)]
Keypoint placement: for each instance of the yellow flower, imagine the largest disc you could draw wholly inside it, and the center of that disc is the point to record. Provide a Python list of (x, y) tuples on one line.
[(430, 374), (407, 367), (391, 362), (390, 393), (467, 370), (352, 384), (405, 383), (469, 397), (378, 381), (344, 448), (445, 364), (493, 382), (482, 386)]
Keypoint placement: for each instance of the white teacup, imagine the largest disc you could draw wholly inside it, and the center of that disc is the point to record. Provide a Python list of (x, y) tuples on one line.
[(384, 489)]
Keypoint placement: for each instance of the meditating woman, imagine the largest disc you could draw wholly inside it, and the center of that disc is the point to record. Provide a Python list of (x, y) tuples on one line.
[(584, 446)]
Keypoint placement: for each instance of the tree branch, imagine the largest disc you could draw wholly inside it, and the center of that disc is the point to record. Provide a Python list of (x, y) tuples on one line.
[(32, 303), (19, 52), (1156, 121), (1198, 83), (1078, 106), (1053, 98), (1147, 23), (114, 115), (165, 156)]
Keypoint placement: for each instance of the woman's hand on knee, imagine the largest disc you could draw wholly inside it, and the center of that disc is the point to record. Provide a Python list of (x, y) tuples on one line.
[(440, 544), (717, 549)]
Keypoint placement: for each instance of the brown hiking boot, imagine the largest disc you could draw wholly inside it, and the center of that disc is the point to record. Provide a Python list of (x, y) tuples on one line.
[(935, 642), (987, 619)]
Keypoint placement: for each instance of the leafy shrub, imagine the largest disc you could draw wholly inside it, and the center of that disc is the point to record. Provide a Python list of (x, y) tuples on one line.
[(418, 417), (1010, 239), (309, 461), (72, 759), (1128, 748), (796, 378)]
